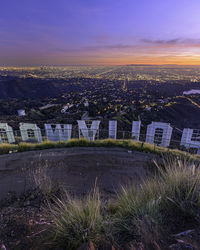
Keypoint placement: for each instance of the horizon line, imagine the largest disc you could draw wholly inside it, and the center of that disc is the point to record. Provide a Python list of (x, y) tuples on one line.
[(90, 65)]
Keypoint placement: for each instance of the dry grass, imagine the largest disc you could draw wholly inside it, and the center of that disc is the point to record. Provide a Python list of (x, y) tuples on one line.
[(6, 148), (128, 144), (40, 179)]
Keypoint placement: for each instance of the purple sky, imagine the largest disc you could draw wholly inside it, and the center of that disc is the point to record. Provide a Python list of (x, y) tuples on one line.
[(65, 32)]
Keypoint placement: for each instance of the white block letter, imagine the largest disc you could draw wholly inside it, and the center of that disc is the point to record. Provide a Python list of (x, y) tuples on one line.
[(159, 133), (30, 132), (65, 132), (6, 133), (113, 129), (52, 134), (88, 133), (191, 138), (136, 130), (59, 133)]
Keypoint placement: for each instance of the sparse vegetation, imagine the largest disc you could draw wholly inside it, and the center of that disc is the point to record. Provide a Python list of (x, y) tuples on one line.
[(164, 204)]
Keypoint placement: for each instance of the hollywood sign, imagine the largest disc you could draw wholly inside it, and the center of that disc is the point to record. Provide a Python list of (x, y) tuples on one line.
[(190, 137)]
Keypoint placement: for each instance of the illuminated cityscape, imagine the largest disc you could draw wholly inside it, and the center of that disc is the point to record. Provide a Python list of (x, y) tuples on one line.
[(60, 94)]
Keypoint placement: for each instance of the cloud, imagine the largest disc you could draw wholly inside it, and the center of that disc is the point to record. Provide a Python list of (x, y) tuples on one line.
[(171, 41), (119, 46), (145, 44), (176, 41)]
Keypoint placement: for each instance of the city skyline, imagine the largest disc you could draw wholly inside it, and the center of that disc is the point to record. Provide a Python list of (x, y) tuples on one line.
[(103, 32)]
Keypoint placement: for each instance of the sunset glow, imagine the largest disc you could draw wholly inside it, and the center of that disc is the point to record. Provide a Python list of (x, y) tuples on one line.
[(99, 32)]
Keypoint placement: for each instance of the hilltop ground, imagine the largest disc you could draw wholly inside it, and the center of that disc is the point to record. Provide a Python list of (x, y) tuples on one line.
[(29, 181), (76, 168)]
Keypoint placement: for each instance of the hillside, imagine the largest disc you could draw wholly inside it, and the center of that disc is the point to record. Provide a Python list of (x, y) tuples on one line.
[(181, 113), (27, 89)]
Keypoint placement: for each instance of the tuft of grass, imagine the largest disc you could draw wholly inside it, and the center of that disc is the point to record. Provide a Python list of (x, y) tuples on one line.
[(135, 206), (76, 222), (179, 182)]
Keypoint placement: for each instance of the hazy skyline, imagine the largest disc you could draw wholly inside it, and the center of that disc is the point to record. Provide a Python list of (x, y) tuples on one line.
[(49, 32)]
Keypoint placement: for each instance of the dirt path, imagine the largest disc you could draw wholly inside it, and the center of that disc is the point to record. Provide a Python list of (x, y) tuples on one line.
[(76, 168)]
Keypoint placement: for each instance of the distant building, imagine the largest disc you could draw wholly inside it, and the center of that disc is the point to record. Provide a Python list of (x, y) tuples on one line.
[(21, 112)]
